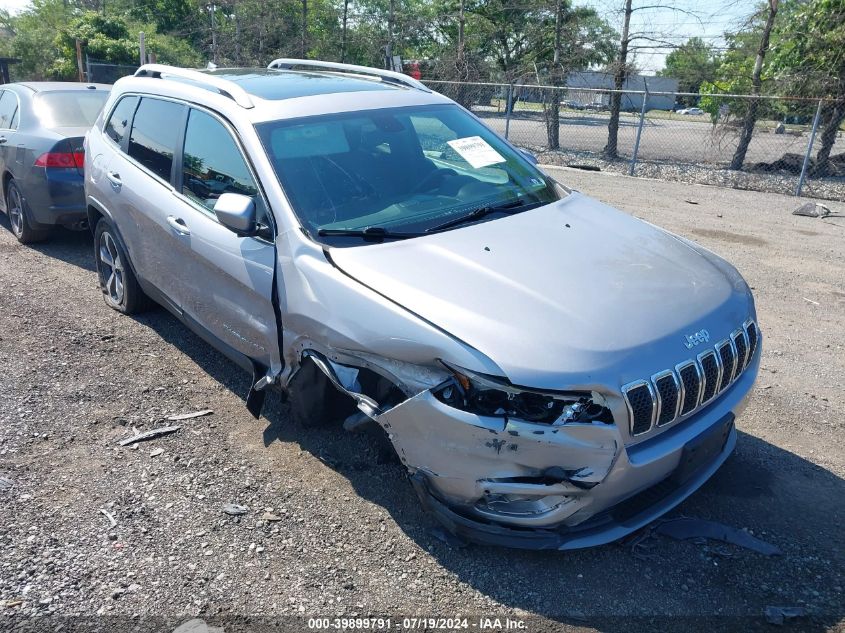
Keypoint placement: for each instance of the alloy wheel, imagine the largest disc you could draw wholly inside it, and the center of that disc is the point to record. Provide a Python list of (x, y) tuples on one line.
[(111, 268), (15, 211)]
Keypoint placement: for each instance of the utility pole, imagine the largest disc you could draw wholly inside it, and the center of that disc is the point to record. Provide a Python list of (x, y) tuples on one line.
[(237, 35), (79, 66), (461, 29), (343, 36), (304, 29), (212, 10), (142, 47), (389, 49)]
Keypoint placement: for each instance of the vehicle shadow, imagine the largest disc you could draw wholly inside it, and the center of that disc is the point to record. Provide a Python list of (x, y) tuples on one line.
[(642, 584), (73, 247)]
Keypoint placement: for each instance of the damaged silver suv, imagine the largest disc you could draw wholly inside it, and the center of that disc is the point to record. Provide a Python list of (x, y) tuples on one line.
[(552, 372)]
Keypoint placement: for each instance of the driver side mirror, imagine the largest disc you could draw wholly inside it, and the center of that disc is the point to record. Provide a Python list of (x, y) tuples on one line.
[(236, 212)]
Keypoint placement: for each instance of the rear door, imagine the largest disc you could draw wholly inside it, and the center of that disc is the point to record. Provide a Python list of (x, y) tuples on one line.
[(142, 179), (8, 133), (223, 282)]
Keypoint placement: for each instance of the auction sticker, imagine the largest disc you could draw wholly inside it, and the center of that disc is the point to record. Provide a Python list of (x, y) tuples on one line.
[(476, 151)]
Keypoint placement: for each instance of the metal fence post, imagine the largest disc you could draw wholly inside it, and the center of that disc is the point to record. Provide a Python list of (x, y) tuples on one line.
[(809, 149), (508, 108), (639, 130)]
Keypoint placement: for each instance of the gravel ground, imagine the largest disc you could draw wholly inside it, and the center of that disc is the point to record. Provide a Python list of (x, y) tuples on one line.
[(331, 531)]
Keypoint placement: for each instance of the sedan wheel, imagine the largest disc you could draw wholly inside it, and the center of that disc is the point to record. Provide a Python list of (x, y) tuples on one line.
[(19, 217), (15, 207)]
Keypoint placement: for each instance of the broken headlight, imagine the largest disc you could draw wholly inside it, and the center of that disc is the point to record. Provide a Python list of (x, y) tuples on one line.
[(491, 396)]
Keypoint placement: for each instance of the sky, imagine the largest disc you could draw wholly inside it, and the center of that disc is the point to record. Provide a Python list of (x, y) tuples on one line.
[(674, 21)]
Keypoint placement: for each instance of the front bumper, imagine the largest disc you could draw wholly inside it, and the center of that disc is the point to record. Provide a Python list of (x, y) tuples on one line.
[(577, 485)]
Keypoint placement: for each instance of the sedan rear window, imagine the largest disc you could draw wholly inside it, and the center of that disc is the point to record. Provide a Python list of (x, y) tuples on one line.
[(406, 170), (69, 108)]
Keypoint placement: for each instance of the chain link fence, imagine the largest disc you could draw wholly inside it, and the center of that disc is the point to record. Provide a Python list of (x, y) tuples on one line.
[(569, 126), (106, 73)]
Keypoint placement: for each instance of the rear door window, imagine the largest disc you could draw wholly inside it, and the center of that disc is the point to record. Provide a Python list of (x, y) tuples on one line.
[(212, 163), (155, 131), (8, 110), (118, 123)]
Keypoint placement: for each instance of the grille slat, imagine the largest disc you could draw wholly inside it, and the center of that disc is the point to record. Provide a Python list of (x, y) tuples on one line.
[(676, 393), (710, 367), (741, 350), (691, 379), (667, 388), (751, 332), (728, 360), (641, 405)]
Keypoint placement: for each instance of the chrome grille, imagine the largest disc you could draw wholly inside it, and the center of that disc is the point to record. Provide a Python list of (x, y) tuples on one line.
[(690, 374), (642, 406), (712, 374), (668, 391), (673, 394), (741, 345), (727, 357)]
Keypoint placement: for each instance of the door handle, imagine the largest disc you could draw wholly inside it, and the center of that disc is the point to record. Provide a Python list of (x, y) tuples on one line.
[(178, 225), (3, 139), (114, 178)]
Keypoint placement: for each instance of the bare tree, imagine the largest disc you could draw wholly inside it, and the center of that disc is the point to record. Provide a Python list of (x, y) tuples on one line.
[(756, 84), (651, 38), (611, 150)]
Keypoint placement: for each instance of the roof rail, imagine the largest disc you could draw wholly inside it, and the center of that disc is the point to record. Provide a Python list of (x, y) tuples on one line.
[(385, 75), (226, 88)]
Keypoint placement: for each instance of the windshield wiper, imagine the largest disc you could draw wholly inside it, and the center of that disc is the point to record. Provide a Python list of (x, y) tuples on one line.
[(368, 234), (476, 214)]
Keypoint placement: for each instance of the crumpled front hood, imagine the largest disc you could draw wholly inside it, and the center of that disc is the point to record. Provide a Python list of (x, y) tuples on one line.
[(574, 293)]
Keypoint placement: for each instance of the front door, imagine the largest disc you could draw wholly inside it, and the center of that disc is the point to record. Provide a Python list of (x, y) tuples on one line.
[(224, 282)]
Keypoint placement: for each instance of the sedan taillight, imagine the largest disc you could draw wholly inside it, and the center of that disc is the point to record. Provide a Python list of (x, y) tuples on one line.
[(61, 159)]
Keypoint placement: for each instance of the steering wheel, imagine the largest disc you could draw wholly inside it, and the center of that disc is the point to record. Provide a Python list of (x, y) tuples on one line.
[(432, 179)]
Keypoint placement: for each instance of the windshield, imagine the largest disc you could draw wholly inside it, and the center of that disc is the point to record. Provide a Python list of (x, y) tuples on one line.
[(403, 170), (69, 108)]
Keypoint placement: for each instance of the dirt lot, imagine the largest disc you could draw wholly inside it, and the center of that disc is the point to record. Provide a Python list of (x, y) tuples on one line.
[(350, 538)]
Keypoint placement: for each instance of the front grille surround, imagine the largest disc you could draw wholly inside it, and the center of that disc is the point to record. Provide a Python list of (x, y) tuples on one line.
[(680, 392), (640, 421)]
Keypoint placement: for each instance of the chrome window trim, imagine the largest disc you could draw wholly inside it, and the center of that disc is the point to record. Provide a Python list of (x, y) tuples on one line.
[(654, 405), (678, 386)]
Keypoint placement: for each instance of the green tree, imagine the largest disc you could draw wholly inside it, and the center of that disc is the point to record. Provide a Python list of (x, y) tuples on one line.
[(692, 64), (808, 59)]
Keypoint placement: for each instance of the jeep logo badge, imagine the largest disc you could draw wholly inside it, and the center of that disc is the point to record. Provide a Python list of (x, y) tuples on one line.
[(696, 338)]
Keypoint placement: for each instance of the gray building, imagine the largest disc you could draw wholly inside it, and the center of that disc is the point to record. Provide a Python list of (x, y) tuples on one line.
[(630, 101)]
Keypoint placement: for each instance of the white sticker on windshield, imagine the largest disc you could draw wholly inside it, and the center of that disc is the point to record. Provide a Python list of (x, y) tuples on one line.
[(476, 151)]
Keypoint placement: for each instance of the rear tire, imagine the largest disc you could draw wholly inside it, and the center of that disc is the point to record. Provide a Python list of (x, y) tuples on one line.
[(20, 217), (120, 287)]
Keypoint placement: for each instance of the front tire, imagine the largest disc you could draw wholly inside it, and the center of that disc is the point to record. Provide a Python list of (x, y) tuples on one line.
[(120, 287), (20, 218)]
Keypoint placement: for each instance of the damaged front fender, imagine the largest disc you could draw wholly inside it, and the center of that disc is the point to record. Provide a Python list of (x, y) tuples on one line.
[(514, 472)]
